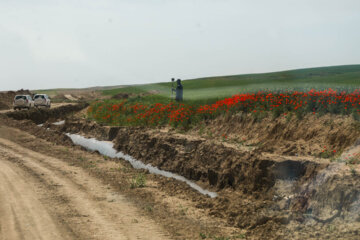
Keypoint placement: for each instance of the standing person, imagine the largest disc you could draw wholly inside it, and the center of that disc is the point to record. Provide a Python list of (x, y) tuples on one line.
[(172, 88), (179, 91)]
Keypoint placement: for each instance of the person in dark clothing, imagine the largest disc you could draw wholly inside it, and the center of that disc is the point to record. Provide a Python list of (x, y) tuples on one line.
[(179, 91)]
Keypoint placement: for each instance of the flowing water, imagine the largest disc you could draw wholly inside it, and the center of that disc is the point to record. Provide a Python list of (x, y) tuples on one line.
[(59, 123), (107, 149)]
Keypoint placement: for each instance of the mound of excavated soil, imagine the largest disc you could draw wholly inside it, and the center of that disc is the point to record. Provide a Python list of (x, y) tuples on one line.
[(7, 98), (70, 97), (59, 97), (43, 133), (42, 115), (270, 197), (287, 136), (4, 106)]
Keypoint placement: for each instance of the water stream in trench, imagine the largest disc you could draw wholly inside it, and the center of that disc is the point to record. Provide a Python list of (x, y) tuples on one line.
[(59, 123), (107, 149)]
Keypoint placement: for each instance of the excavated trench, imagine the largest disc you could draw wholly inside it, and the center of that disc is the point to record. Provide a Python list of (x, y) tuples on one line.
[(200, 160), (300, 190), (317, 190), (106, 149)]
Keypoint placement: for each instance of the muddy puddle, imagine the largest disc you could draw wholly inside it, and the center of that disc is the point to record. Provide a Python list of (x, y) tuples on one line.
[(107, 149)]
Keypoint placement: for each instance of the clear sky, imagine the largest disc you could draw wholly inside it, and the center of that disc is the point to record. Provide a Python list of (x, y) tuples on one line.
[(82, 43)]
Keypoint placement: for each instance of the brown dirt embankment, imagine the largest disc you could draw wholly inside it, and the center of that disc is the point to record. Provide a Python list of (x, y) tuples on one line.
[(50, 135), (28, 120), (285, 135), (212, 164), (4, 106), (6, 98), (39, 115), (261, 193), (271, 196)]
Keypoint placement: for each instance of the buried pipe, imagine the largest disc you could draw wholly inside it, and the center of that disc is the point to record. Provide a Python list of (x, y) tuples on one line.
[(107, 149)]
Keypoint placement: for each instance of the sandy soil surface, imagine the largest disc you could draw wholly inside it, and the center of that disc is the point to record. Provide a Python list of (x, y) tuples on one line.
[(43, 197)]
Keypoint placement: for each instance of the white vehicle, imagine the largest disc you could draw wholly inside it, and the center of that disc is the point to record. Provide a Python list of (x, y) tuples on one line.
[(23, 101), (42, 100)]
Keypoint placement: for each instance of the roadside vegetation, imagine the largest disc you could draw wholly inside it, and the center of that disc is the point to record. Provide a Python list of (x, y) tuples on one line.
[(289, 95), (155, 111), (138, 181), (333, 90)]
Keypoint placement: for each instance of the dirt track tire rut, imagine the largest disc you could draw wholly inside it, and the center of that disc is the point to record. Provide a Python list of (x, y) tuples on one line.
[(91, 209), (23, 216)]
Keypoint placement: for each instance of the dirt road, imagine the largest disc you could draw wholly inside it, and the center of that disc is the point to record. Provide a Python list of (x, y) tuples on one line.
[(42, 197)]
